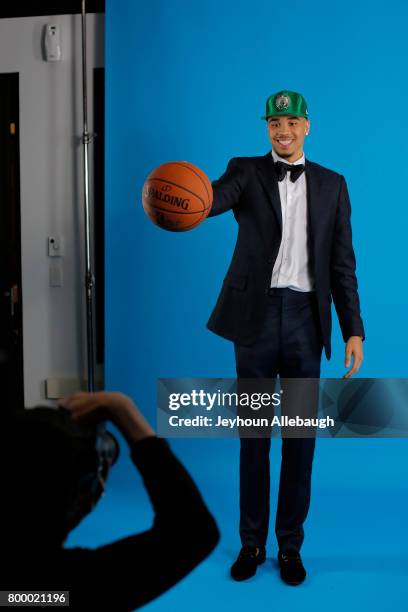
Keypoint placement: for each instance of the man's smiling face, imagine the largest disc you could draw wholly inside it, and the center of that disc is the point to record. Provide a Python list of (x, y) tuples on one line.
[(287, 134)]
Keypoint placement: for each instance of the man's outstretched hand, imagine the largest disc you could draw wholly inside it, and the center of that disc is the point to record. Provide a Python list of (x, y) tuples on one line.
[(354, 350)]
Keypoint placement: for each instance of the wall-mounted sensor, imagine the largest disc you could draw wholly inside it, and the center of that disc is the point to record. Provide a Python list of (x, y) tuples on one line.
[(52, 42), (55, 246)]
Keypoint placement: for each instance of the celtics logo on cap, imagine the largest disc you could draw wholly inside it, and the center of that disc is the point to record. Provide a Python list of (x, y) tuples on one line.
[(285, 102), (282, 102)]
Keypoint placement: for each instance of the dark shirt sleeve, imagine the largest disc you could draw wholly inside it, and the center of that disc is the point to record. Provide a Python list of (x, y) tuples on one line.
[(130, 572), (228, 188), (343, 270)]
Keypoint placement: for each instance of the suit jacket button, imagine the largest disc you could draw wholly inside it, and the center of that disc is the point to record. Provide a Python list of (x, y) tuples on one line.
[(270, 260)]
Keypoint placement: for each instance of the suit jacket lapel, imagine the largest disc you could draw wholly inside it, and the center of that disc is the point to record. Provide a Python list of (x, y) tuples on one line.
[(314, 201), (269, 180)]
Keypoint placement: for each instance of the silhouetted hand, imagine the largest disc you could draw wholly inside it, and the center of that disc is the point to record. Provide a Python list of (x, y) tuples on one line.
[(91, 408)]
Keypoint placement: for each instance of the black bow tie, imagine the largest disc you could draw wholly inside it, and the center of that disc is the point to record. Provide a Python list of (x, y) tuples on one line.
[(282, 168)]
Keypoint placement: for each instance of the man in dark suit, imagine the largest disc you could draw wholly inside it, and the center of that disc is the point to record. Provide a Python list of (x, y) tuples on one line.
[(293, 255)]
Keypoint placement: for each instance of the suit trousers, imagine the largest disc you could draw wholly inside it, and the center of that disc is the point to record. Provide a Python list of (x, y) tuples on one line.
[(290, 345)]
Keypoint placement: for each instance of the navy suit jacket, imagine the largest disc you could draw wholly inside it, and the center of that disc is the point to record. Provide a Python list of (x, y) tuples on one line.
[(249, 188)]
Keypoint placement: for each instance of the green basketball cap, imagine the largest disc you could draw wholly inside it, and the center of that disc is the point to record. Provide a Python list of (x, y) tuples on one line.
[(286, 103)]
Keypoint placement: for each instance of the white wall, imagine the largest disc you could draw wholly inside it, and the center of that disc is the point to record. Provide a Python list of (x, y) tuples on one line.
[(51, 190)]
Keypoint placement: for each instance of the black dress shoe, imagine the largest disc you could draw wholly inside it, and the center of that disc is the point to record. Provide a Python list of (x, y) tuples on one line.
[(247, 561), (291, 567)]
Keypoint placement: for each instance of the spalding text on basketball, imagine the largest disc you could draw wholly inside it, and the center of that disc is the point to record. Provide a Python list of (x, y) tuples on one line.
[(156, 194)]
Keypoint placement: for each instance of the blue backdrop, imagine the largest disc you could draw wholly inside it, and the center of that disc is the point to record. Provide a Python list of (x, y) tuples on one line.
[(188, 80)]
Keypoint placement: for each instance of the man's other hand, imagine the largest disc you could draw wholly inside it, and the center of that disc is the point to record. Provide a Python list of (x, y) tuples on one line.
[(354, 350)]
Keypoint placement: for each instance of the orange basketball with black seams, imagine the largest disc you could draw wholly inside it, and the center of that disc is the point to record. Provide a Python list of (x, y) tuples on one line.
[(177, 196)]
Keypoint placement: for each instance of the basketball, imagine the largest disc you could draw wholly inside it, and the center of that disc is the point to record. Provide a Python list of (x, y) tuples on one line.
[(177, 196)]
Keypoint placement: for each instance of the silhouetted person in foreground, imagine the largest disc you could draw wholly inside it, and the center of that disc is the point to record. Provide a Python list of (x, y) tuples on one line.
[(52, 475)]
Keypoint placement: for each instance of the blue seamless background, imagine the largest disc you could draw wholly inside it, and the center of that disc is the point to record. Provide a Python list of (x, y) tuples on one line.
[(188, 81)]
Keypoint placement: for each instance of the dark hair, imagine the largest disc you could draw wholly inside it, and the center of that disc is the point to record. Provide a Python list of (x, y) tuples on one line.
[(44, 454)]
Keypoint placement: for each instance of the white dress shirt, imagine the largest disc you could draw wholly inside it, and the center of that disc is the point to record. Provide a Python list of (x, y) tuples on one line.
[(292, 266)]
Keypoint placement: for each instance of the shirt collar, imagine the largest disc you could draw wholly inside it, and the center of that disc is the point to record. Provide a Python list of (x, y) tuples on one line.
[(277, 157)]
